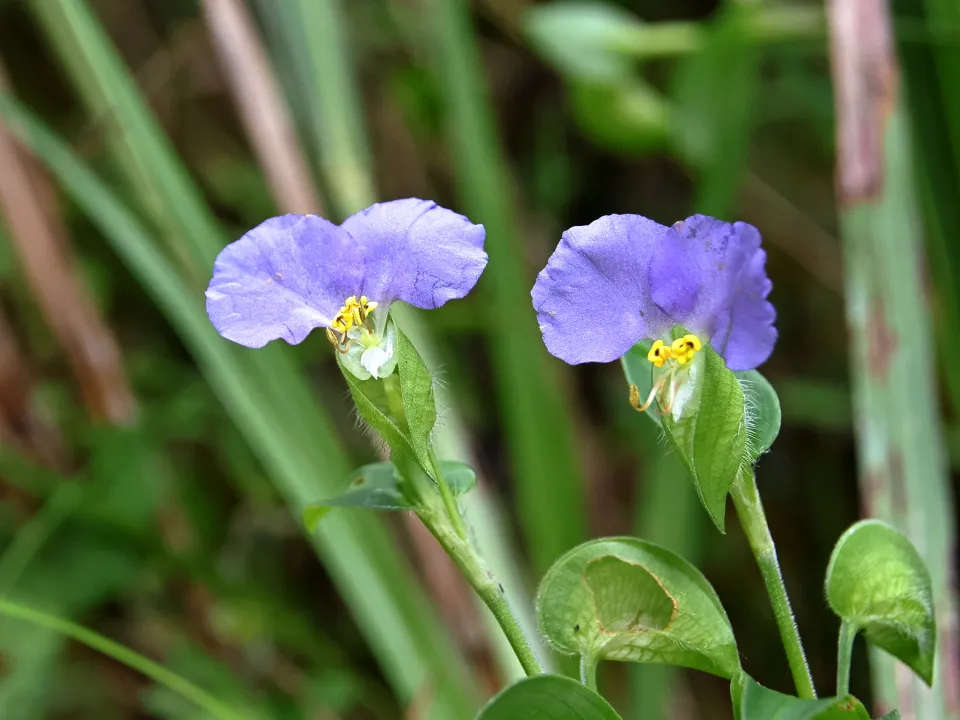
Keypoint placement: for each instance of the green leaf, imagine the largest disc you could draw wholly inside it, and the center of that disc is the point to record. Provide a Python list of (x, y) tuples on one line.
[(548, 697), (583, 39), (752, 701), (625, 117), (460, 477), (708, 431), (877, 581), (375, 487), (628, 599), (762, 412), (892, 715)]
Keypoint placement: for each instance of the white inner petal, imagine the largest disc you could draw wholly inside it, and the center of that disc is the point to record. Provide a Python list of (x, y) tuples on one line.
[(373, 359)]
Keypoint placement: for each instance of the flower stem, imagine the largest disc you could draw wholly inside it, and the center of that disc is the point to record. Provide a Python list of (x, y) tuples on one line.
[(486, 586), (588, 670), (848, 633), (746, 499)]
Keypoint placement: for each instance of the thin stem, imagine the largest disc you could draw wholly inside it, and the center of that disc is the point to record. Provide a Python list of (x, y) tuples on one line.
[(487, 587), (746, 499), (848, 633), (449, 501), (128, 657), (588, 671)]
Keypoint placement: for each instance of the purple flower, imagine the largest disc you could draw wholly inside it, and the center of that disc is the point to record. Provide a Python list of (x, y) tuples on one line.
[(625, 278), (294, 273)]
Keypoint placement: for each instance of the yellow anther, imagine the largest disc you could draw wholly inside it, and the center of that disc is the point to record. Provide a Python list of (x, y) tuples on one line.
[(659, 353), (353, 313), (683, 349)]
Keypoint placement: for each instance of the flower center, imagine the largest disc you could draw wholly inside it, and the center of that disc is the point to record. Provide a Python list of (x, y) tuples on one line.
[(682, 351), (352, 314)]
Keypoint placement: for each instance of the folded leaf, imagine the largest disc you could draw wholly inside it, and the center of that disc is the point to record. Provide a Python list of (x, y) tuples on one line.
[(631, 600), (877, 581)]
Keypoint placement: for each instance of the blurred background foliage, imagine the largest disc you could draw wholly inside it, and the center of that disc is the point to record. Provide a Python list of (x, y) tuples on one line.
[(152, 474)]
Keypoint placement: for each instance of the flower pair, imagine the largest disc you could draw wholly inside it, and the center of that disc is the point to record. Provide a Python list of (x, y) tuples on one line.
[(608, 285)]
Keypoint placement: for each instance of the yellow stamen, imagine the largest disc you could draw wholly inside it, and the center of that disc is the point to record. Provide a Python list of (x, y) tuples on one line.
[(659, 353), (353, 313), (665, 387), (683, 349)]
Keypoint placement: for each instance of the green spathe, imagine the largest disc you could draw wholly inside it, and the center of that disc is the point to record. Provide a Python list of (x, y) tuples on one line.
[(631, 600), (400, 407), (877, 581), (723, 423), (709, 433)]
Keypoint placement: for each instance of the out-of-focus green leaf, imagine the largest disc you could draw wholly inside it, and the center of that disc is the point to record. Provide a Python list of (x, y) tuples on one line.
[(628, 599), (877, 581), (459, 476), (715, 91), (548, 697), (375, 487), (628, 116), (582, 39)]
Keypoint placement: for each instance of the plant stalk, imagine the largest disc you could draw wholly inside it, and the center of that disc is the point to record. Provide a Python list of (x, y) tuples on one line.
[(474, 569), (588, 671), (848, 633), (746, 499), (450, 530)]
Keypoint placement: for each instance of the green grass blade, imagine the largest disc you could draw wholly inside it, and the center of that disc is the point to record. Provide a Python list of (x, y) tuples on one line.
[(144, 154), (370, 574), (338, 125), (536, 421), (128, 657), (716, 92), (903, 474)]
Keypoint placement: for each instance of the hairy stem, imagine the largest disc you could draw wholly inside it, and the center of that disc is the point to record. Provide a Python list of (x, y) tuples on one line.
[(486, 586), (746, 499)]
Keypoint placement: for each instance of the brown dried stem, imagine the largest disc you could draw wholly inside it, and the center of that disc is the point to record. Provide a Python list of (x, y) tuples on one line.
[(39, 240)]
